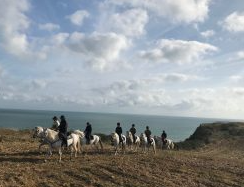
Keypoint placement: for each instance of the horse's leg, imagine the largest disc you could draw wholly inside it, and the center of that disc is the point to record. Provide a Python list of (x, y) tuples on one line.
[(39, 148), (173, 145), (144, 148), (73, 149), (154, 148), (96, 144), (49, 152), (123, 147), (101, 145), (60, 154), (78, 146), (71, 152), (136, 146)]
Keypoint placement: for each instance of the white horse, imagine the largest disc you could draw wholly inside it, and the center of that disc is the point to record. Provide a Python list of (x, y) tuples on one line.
[(169, 144), (95, 139), (131, 142), (145, 144), (116, 143), (52, 139)]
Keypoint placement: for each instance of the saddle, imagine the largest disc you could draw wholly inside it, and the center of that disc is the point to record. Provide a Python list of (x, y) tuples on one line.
[(91, 137)]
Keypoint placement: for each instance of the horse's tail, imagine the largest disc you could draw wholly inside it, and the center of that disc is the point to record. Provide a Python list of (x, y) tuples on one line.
[(100, 142)]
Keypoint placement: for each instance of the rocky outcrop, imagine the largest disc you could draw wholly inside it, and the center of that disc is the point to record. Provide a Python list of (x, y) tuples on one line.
[(215, 133)]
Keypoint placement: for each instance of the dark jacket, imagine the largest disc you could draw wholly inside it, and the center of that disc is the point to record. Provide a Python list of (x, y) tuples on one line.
[(164, 135), (88, 129), (63, 126), (118, 130), (148, 133), (133, 130)]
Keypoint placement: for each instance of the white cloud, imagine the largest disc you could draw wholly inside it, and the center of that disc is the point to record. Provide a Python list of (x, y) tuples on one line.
[(236, 78), (49, 26), (178, 77), (130, 22), (177, 51), (59, 38), (146, 84), (101, 50), (234, 22), (78, 17), (207, 33), (13, 23), (186, 11), (13, 27), (237, 56), (240, 55)]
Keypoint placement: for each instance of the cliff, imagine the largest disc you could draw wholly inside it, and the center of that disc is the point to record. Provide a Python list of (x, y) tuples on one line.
[(216, 134)]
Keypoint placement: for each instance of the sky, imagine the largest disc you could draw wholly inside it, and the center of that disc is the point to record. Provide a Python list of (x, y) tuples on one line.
[(157, 57)]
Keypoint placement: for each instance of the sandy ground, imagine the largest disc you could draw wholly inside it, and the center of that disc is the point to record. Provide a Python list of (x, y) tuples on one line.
[(22, 165)]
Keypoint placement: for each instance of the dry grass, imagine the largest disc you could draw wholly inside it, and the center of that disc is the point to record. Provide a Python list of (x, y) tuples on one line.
[(22, 165)]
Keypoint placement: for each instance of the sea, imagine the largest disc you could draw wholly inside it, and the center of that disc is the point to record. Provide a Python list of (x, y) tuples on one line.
[(177, 128)]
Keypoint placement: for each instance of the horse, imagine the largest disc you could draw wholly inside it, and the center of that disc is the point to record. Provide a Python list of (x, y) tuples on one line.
[(45, 142), (169, 144), (131, 142), (116, 142), (52, 139), (95, 139), (158, 141), (147, 144)]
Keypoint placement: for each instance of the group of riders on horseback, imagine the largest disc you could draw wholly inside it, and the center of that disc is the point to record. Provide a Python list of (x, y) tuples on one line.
[(62, 127), (147, 132)]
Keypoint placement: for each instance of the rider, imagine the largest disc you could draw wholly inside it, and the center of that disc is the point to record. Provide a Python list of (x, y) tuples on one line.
[(148, 134), (163, 137), (119, 131), (56, 123), (63, 130), (88, 132), (133, 132)]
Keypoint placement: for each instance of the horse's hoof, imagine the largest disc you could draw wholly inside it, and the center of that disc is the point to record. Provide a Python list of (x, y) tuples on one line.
[(45, 161)]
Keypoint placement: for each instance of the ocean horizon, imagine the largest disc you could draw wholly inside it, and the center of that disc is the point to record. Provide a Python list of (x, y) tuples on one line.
[(178, 128)]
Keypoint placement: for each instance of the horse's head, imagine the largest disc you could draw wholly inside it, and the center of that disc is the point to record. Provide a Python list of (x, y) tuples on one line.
[(37, 132), (143, 137), (114, 137), (128, 133), (81, 134)]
